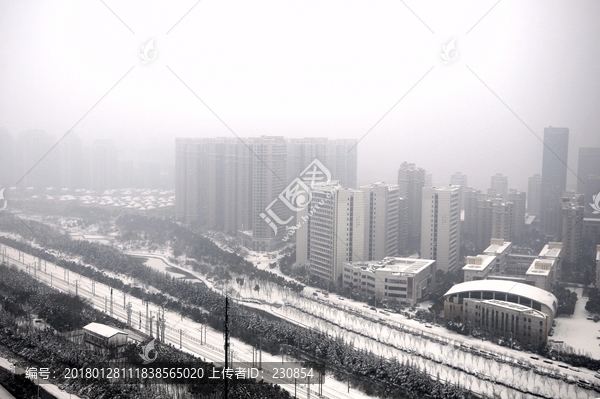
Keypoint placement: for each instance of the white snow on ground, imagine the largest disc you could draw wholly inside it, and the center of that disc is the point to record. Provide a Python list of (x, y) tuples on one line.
[(364, 331), (394, 344), (578, 332)]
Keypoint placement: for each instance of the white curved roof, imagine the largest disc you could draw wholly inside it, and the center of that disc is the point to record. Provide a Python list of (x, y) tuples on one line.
[(508, 287)]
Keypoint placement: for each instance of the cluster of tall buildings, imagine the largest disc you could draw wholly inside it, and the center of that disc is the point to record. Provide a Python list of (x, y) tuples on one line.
[(234, 185), (499, 213), (37, 159), (565, 215)]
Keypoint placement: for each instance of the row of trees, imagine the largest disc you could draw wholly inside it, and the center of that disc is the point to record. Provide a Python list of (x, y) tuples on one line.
[(566, 300), (210, 258)]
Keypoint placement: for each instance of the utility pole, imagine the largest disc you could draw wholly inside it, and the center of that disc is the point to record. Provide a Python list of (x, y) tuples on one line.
[(111, 301), (147, 325), (260, 353), (129, 314), (226, 336)]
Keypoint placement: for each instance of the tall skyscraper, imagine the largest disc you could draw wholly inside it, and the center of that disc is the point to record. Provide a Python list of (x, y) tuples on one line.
[(499, 186), (268, 181), (503, 219), (570, 228), (402, 227), (38, 167), (588, 164), (592, 189), (7, 175), (104, 165), (382, 206), (458, 179), (470, 221), (339, 156), (554, 176), (534, 195), (519, 199), (71, 162), (588, 177), (440, 233), (187, 178), (485, 221), (411, 181), (337, 230)]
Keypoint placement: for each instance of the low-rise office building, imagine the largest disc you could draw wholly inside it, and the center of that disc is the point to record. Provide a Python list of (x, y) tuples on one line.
[(507, 319), (491, 305), (541, 274), (501, 250), (407, 280), (478, 267)]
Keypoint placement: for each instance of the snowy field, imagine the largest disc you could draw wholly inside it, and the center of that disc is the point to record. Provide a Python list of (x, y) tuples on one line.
[(578, 332)]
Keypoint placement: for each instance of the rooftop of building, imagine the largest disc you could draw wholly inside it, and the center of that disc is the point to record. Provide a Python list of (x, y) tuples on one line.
[(479, 262), (551, 250), (103, 330), (508, 287), (446, 188), (529, 219), (497, 246), (523, 251), (399, 266), (514, 306), (516, 279), (540, 267)]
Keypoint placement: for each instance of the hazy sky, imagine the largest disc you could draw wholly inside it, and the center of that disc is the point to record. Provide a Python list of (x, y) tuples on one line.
[(313, 68)]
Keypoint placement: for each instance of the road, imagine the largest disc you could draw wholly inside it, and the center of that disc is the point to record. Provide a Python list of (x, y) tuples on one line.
[(212, 349)]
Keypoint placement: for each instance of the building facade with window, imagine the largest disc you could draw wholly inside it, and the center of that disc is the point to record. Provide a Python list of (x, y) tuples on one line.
[(407, 280), (492, 305), (507, 319)]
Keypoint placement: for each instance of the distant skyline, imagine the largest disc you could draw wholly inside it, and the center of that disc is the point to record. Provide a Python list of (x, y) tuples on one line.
[(316, 69)]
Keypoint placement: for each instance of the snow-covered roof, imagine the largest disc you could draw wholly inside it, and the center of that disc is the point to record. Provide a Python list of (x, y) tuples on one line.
[(507, 287), (515, 306), (103, 330)]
